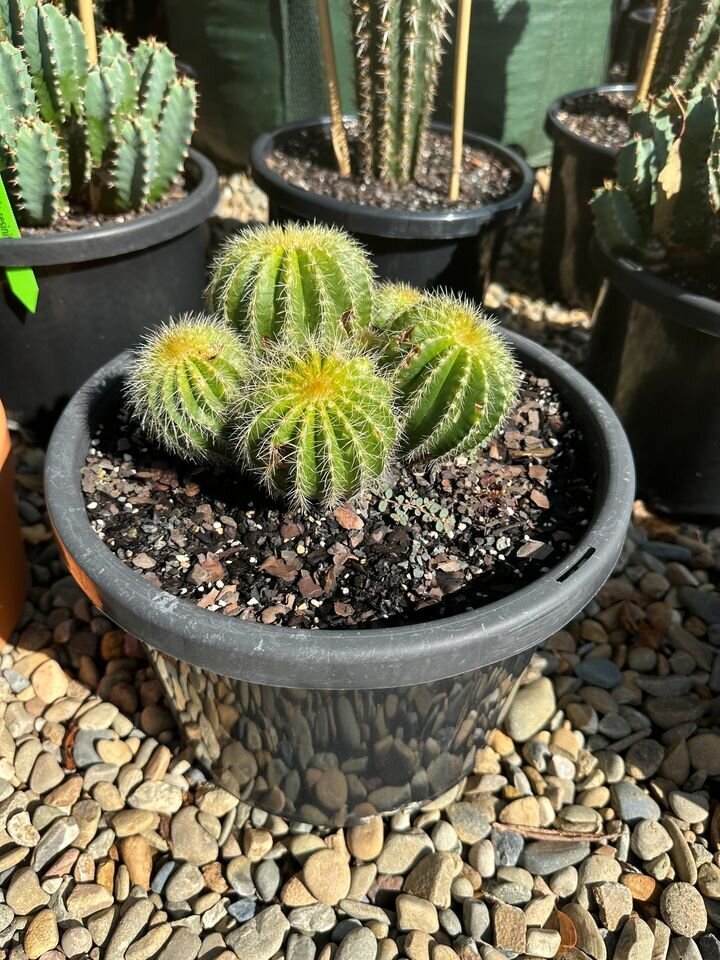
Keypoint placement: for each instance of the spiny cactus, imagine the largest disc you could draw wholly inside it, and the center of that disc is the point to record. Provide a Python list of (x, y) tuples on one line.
[(184, 383), (121, 128), (455, 378), (296, 280), (689, 54), (666, 199), (318, 422), (399, 49)]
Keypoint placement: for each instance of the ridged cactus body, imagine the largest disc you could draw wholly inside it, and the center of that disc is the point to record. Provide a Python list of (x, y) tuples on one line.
[(291, 281), (123, 127), (318, 422), (454, 376), (666, 198), (689, 54), (184, 384), (399, 49)]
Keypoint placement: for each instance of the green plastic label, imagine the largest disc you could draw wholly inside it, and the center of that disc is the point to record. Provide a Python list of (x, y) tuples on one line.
[(21, 280)]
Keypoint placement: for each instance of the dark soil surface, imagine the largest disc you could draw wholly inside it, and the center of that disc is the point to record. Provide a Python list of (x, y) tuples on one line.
[(78, 217), (306, 160), (445, 537), (704, 281), (601, 118)]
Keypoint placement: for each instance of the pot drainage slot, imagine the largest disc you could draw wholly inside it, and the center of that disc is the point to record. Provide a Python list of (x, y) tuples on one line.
[(576, 566)]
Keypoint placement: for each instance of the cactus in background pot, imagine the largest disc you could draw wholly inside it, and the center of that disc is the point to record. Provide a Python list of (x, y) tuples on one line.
[(296, 280), (665, 201), (399, 50), (112, 137), (689, 49), (184, 384)]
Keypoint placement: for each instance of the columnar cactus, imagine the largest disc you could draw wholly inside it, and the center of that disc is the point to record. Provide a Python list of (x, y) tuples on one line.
[(121, 129), (689, 54), (399, 49), (296, 280), (454, 376), (184, 384), (318, 422), (666, 199)]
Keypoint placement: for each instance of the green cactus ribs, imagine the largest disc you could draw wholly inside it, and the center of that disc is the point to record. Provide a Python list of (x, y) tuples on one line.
[(185, 381), (318, 423), (399, 50), (455, 377), (111, 137), (296, 280)]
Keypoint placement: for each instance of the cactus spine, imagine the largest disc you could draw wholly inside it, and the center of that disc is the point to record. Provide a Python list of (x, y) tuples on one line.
[(184, 383), (318, 422), (454, 376), (292, 281), (123, 127), (399, 49)]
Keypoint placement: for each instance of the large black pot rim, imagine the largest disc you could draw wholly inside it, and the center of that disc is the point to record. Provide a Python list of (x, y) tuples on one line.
[(345, 659), (394, 222), (639, 283), (117, 239), (573, 141)]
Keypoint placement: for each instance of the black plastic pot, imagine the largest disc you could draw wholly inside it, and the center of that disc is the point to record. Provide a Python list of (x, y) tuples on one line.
[(100, 289), (453, 250), (399, 710), (579, 167), (655, 354)]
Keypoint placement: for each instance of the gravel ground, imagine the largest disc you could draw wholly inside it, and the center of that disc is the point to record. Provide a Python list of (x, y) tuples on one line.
[(590, 827)]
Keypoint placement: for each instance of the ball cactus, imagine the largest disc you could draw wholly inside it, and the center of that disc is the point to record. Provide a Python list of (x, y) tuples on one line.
[(297, 280), (121, 129), (455, 377), (184, 383), (318, 422)]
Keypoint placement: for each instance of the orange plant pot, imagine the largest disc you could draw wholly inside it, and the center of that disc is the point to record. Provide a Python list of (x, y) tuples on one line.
[(13, 565)]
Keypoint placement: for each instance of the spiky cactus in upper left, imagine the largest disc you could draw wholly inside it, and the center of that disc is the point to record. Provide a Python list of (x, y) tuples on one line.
[(399, 50), (294, 280), (112, 137), (184, 384), (318, 421)]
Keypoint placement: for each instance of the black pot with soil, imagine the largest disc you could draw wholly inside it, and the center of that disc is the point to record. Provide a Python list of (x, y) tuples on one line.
[(98, 287), (430, 594), (655, 354), (587, 128), (413, 234)]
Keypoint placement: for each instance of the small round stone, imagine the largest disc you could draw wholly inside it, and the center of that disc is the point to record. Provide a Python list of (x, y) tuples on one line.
[(683, 909), (327, 876)]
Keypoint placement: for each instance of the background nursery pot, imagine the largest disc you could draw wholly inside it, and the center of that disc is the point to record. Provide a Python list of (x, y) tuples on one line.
[(579, 167), (402, 710), (97, 288), (456, 250), (655, 354), (13, 568)]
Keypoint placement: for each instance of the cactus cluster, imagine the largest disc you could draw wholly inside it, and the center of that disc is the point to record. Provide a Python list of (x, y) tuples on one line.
[(398, 53), (111, 136), (312, 377)]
